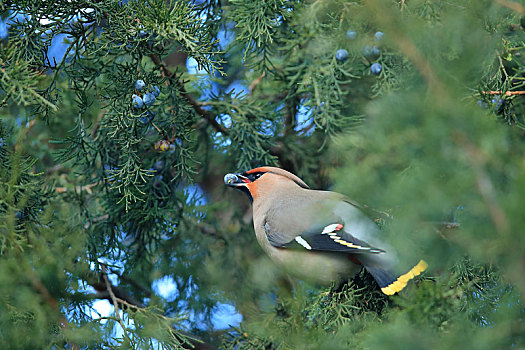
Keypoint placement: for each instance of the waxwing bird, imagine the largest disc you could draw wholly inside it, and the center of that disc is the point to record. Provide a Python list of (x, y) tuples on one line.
[(319, 236)]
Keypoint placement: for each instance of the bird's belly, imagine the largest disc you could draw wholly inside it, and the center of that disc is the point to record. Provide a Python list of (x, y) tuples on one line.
[(315, 267)]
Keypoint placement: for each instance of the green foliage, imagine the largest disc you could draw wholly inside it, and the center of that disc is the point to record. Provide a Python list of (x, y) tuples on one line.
[(91, 209), (257, 23), (18, 81)]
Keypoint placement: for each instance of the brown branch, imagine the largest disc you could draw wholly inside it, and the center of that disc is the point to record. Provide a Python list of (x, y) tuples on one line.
[(29, 126), (511, 5), (99, 283), (147, 292), (447, 225), (256, 82), (106, 290), (115, 304), (97, 123), (54, 169), (289, 116), (100, 218), (507, 93), (78, 189), (209, 117), (39, 286), (107, 296), (45, 293), (307, 128), (164, 135), (207, 229), (95, 220), (483, 183)]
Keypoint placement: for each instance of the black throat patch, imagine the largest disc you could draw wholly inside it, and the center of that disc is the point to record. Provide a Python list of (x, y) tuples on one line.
[(247, 191)]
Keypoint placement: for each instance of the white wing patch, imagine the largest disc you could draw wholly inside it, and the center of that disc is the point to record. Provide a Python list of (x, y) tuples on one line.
[(331, 228), (302, 242)]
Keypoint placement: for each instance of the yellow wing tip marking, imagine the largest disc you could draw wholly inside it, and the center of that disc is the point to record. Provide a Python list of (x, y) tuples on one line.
[(388, 290), (402, 280), (331, 230), (341, 241)]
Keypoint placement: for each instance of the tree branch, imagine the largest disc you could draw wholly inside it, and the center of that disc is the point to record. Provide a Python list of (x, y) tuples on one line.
[(99, 283), (115, 295), (511, 5), (289, 116), (209, 117), (39, 286), (447, 225), (97, 123), (484, 185), (507, 93), (147, 292), (115, 304), (256, 82)]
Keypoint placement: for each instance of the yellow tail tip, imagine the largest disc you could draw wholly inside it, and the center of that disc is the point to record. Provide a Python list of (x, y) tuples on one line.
[(402, 280)]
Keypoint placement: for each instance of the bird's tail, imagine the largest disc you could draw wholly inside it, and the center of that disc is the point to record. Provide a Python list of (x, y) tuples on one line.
[(390, 284)]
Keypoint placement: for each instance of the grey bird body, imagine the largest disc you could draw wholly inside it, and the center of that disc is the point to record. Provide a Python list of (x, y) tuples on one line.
[(281, 219), (318, 236)]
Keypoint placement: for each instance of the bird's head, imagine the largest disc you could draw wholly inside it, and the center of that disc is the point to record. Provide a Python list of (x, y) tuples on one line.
[(262, 179)]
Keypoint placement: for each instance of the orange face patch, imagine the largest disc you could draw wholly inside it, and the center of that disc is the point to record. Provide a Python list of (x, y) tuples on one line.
[(253, 189)]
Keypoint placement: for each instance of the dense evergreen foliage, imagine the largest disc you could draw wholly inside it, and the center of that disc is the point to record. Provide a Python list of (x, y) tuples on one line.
[(113, 151)]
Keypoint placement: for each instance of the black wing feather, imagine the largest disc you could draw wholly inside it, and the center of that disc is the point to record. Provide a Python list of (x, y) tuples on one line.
[(336, 240), (326, 242)]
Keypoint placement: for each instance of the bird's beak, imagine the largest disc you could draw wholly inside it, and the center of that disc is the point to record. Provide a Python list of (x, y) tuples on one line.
[(235, 180)]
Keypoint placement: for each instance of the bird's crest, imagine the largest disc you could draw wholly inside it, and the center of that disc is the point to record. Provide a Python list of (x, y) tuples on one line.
[(278, 171)]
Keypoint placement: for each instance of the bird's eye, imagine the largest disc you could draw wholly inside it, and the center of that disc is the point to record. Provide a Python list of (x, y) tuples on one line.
[(254, 176)]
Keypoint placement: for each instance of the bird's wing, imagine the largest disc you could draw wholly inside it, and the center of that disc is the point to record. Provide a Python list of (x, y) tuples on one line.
[(331, 237), (339, 227)]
